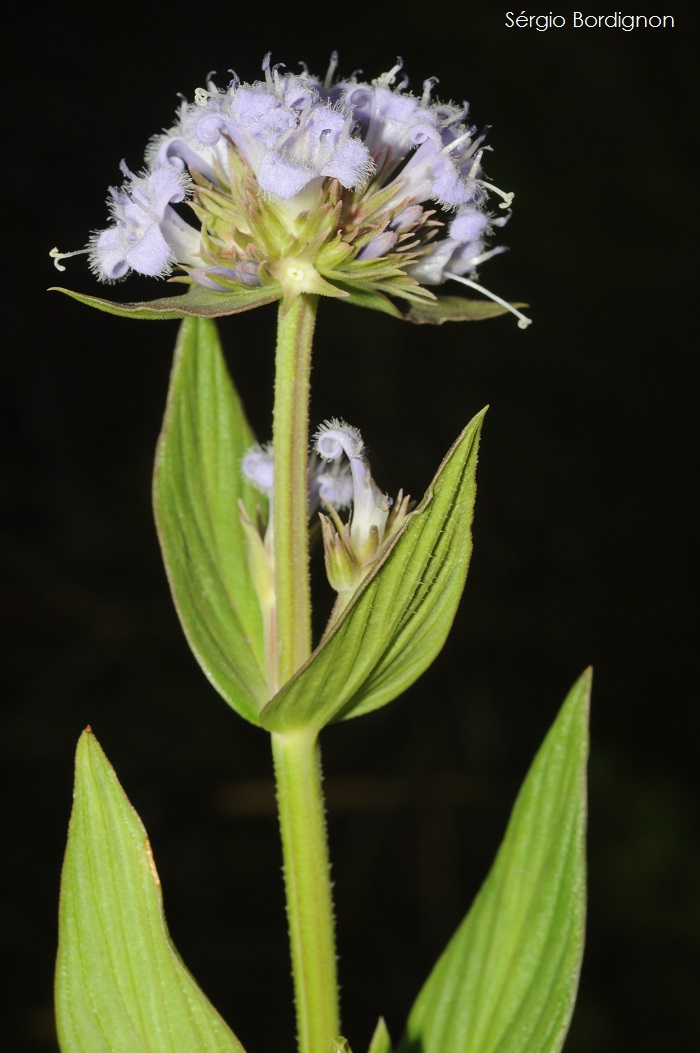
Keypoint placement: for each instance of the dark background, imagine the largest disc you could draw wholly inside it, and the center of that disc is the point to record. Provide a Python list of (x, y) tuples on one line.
[(584, 533)]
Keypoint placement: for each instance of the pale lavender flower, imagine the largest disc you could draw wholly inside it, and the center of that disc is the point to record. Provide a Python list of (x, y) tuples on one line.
[(353, 548), (146, 235), (461, 251), (370, 507), (257, 467), (286, 134), (331, 484)]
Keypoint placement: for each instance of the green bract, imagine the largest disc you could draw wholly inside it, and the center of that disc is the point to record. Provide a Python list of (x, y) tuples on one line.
[(197, 487), (199, 302), (401, 615)]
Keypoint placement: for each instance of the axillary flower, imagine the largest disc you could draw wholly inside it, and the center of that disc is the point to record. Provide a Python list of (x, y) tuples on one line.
[(351, 549), (296, 184), (339, 477)]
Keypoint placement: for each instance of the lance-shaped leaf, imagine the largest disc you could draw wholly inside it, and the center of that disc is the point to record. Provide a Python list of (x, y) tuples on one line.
[(454, 309), (380, 1042), (120, 984), (197, 486), (197, 302), (400, 616), (427, 312), (507, 981), (200, 302)]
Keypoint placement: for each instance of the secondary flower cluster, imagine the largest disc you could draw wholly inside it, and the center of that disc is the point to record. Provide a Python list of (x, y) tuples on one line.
[(339, 477), (327, 186), (351, 549)]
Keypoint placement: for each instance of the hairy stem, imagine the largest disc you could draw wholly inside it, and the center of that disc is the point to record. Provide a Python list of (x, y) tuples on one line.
[(290, 438), (308, 888), (296, 754)]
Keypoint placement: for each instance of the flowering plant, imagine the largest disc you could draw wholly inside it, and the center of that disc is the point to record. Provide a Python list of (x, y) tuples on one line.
[(302, 188)]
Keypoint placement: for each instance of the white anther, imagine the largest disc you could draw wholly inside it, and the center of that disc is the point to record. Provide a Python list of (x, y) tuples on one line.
[(507, 198), (456, 143), (56, 256), (387, 79), (475, 261)]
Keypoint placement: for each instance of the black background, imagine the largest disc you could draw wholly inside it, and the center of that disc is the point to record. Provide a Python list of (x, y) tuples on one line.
[(584, 533)]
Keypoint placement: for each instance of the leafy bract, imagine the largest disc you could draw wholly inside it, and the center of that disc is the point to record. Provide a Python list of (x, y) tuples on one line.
[(507, 981), (454, 309), (197, 486), (120, 984), (197, 302), (427, 312), (402, 613), (200, 302)]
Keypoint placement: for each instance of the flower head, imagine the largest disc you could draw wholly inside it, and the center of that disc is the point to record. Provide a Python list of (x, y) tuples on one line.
[(299, 184)]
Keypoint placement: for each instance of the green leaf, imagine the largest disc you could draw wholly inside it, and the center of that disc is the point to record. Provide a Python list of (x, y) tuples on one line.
[(198, 302), (401, 615), (198, 483), (454, 309), (426, 312), (120, 984), (374, 301), (381, 1043), (507, 981)]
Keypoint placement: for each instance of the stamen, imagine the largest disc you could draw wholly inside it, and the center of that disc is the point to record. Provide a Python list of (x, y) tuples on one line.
[(387, 79), (476, 260), (56, 256), (456, 143), (476, 144), (266, 71), (125, 170), (428, 86), (200, 96), (523, 320), (330, 73), (456, 117), (347, 128), (507, 198)]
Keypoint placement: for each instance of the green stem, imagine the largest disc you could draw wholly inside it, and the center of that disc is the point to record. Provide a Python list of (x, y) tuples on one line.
[(308, 888), (290, 439), (296, 754)]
